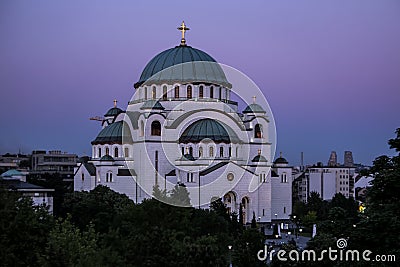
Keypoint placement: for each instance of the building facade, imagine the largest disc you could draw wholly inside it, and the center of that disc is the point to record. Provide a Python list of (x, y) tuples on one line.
[(182, 127), (53, 162)]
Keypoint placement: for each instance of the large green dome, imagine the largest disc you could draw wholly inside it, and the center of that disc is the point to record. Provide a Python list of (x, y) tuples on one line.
[(208, 129), (200, 68)]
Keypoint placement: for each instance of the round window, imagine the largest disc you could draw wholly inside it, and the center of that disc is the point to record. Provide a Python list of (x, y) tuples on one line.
[(230, 176)]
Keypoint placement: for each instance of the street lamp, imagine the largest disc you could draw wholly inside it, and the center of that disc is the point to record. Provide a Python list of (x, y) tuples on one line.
[(230, 257)]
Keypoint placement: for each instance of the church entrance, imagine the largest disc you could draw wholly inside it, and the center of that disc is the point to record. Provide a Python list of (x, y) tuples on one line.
[(230, 202)]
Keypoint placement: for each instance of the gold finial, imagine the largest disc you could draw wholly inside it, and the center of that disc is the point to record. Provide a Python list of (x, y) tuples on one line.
[(254, 99), (115, 103), (259, 151), (183, 29), (280, 154)]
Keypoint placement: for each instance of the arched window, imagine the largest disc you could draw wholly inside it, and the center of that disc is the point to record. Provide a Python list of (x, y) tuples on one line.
[(156, 128), (145, 93), (83, 177), (141, 128), (258, 131), (189, 92), (211, 92), (191, 151), (99, 152), (219, 93), (109, 177), (176, 91), (230, 152), (211, 152), (183, 151), (126, 152), (154, 93), (201, 91), (164, 96), (107, 151), (221, 152), (200, 152), (116, 152)]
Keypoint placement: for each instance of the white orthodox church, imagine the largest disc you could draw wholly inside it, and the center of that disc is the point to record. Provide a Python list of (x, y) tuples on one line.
[(182, 127)]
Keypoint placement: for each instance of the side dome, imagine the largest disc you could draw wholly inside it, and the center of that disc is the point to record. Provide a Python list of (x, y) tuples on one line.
[(200, 68), (259, 158), (115, 133), (254, 108), (281, 160), (107, 158), (112, 112), (208, 129)]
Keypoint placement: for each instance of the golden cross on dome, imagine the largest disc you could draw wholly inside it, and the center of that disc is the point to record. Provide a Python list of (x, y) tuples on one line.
[(254, 99), (183, 29), (115, 103)]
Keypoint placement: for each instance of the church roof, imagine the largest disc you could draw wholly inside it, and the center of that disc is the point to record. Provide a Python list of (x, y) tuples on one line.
[(113, 112), (208, 129), (107, 158), (254, 108), (259, 158), (281, 160), (113, 134), (200, 67), (152, 104)]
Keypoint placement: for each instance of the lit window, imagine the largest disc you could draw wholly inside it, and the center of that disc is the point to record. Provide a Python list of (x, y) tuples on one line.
[(126, 152), (221, 151), (156, 128), (164, 92), (107, 151), (189, 92), (154, 93), (258, 131), (176, 91), (211, 154), (201, 92), (116, 152)]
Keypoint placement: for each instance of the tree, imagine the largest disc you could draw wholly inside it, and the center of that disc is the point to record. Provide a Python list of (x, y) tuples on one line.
[(68, 246), (24, 229), (253, 221), (179, 196)]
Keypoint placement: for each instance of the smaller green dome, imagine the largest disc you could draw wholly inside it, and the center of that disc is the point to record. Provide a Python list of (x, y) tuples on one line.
[(187, 157), (112, 112), (253, 108), (113, 134), (281, 160), (106, 158), (259, 158), (152, 104)]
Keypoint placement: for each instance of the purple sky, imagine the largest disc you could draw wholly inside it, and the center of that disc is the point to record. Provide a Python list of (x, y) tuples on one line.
[(329, 69)]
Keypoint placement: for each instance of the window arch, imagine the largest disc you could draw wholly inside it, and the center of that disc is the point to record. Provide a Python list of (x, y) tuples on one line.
[(109, 177), (126, 152), (221, 152), (211, 151), (99, 152), (141, 128), (176, 91), (219, 93), (189, 91), (211, 92), (201, 91), (164, 96), (107, 151), (116, 154), (258, 131), (156, 128), (191, 151), (154, 93), (200, 152)]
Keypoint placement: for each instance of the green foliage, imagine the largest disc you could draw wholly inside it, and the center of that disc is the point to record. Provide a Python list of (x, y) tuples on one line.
[(253, 221), (179, 196), (246, 247), (68, 246), (23, 229)]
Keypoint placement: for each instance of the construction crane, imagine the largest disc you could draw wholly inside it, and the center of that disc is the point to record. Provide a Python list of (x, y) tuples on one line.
[(96, 118)]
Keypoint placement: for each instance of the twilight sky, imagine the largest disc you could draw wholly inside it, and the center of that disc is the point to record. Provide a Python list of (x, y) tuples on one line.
[(329, 69)]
